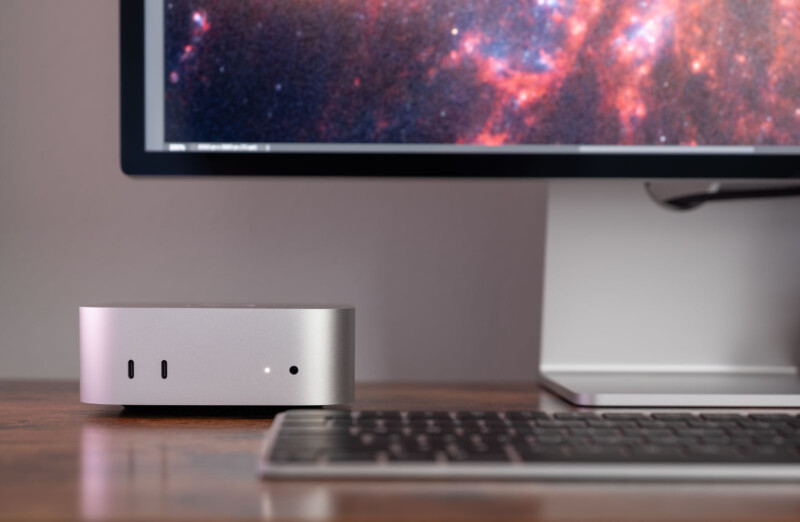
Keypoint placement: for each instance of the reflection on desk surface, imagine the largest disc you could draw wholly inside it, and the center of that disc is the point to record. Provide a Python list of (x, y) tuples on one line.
[(148, 471), (60, 459)]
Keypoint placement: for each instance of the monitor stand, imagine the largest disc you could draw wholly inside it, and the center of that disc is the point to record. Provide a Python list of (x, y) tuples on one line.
[(649, 307)]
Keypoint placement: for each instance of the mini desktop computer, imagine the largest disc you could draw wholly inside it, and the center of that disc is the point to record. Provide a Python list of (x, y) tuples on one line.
[(669, 132), (215, 355)]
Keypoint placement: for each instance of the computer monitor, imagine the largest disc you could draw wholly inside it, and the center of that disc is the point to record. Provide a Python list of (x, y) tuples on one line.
[(536, 88), (662, 89)]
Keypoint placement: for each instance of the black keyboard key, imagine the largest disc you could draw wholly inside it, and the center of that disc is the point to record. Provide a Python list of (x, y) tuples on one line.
[(575, 416), (486, 416), (608, 440), (538, 454), (664, 441), (625, 416), (673, 416), (604, 432), (727, 425), (714, 453), (716, 441), (770, 454), (703, 424), (632, 440), (525, 415), (548, 432), (646, 432), (380, 415), (660, 425), (657, 453), (770, 440), (754, 424), (722, 416), (561, 424), (770, 417), (550, 440), (479, 457), (429, 415), (577, 442), (699, 432), (598, 453), (610, 424)]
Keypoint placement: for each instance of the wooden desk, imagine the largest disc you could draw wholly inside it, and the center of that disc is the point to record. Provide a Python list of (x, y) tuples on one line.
[(60, 459)]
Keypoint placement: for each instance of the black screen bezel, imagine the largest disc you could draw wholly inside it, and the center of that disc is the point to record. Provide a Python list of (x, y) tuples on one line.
[(137, 161)]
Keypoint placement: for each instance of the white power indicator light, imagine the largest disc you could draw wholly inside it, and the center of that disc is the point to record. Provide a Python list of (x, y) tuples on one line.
[(267, 370)]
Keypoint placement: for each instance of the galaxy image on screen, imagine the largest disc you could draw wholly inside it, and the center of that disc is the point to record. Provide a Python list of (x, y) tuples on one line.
[(484, 72)]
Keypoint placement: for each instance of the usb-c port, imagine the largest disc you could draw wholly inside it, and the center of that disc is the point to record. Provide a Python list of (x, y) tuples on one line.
[(130, 369), (163, 369)]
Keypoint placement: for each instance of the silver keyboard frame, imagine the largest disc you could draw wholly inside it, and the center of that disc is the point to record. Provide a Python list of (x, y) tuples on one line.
[(621, 471)]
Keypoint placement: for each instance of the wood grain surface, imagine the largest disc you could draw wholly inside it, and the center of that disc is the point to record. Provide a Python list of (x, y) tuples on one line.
[(63, 460)]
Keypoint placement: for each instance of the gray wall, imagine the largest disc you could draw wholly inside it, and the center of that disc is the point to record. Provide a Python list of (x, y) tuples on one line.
[(446, 276)]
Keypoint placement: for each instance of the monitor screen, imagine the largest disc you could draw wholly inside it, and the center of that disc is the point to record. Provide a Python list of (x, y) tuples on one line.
[(461, 88), (501, 76)]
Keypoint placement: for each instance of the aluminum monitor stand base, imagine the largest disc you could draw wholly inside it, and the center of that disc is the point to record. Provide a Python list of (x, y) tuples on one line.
[(647, 307)]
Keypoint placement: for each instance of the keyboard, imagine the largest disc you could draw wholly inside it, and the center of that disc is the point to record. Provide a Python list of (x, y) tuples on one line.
[(309, 444)]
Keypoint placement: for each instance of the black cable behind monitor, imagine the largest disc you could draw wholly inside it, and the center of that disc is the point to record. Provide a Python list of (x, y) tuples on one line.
[(718, 193)]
